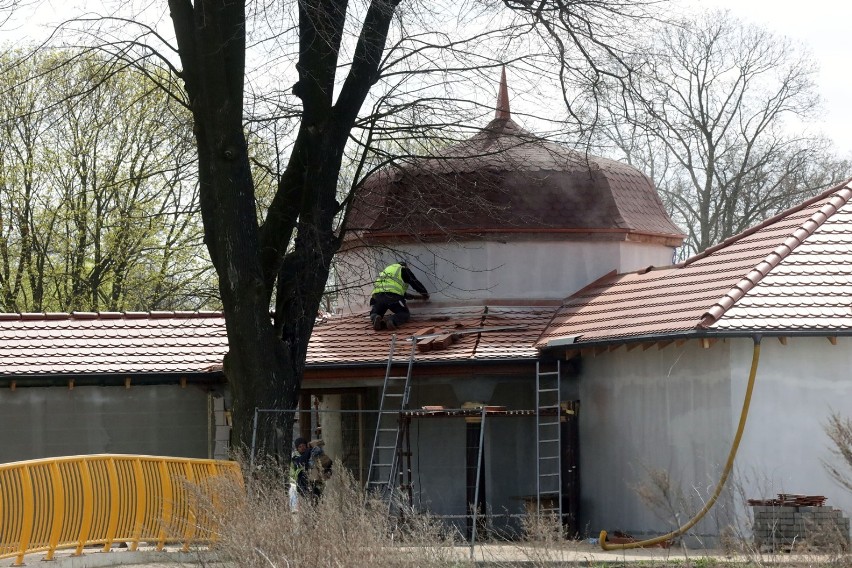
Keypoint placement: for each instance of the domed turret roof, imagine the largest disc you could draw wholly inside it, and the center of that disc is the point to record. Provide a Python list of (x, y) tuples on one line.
[(507, 180)]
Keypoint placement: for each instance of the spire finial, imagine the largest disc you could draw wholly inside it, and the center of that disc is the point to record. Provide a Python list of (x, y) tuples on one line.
[(503, 99)]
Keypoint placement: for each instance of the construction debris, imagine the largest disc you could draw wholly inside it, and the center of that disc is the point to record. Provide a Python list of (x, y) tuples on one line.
[(796, 523), (436, 339), (789, 500)]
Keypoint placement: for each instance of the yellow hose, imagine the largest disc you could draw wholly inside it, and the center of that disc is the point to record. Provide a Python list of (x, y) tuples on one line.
[(728, 466)]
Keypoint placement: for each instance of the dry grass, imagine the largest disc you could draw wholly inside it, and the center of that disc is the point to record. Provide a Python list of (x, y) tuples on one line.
[(258, 528)]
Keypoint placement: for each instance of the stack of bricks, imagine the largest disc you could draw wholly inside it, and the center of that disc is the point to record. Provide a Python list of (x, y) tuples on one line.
[(792, 527)]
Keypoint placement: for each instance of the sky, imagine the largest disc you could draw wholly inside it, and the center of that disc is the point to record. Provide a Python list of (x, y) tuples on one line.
[(822, 27)]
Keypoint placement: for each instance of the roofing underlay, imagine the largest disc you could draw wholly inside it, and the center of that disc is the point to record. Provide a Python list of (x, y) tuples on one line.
[(791, 274), (351, 339)]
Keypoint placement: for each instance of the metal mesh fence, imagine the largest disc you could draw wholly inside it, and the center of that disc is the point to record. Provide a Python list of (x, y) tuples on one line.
[(474, 469)]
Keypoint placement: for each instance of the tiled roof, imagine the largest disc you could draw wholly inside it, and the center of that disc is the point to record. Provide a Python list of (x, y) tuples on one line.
[(188, 342), (505, 179), (108, 343), (791, 272), (351, 339)]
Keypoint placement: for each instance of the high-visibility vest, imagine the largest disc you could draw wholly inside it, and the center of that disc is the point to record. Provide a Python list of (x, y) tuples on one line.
[(390, 281)]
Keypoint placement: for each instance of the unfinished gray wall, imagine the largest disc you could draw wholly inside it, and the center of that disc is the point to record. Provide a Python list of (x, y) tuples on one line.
[(439, 446), (488, 270), (58, 421), (677, 410), (784, 445), (654, 410)]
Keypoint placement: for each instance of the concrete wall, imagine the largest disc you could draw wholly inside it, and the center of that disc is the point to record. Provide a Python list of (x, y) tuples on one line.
[(652, 410), (483, 271), (439, 447), (677, 410), (798, 386), (58, 421)]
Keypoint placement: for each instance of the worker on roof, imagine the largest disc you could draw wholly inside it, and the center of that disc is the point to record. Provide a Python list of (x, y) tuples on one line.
[(390, 293)]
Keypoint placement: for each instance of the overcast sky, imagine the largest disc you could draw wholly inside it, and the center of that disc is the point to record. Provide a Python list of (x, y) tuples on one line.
[(823, 27), (819, 25)]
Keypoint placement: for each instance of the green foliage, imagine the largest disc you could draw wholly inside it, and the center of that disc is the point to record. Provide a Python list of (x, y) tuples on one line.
[(98, 190)]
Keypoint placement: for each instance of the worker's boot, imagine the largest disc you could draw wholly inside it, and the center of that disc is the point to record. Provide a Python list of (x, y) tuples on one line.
[(390, 323), (378, 322)]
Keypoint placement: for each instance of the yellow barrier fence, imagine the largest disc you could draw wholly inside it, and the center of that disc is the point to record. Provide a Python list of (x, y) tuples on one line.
[(78, 501)]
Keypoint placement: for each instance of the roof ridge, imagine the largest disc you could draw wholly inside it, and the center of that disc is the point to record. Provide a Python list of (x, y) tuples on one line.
[(153, 314), (838, 198), (772, 220)]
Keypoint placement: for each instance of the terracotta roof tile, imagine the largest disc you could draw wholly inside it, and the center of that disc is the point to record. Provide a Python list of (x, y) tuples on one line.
[(84, 343), (791, 272), (351, 338), (521, 183)]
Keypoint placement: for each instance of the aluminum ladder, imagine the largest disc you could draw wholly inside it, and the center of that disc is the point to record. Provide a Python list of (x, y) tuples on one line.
[(548, 442), (385, 456)]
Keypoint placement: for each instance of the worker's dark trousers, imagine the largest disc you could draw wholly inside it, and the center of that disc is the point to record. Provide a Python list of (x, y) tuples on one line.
[(381, 303)]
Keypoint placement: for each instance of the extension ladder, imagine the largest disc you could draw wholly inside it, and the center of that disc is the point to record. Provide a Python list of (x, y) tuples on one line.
[(385, 456), (548, 442)]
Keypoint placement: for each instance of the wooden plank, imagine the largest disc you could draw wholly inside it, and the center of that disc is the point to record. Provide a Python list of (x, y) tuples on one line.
[(443, 341), (425, 344), (424, 331)]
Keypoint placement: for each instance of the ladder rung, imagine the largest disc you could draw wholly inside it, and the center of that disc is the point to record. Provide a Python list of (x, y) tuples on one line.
[(549, 457), (548, 474), (394, 395), (543, 373), (385, 447), (548, 441), (375, 465), (548, 422)]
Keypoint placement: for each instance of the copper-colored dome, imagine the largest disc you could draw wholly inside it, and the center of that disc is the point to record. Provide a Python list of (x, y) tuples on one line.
[(507, 180)]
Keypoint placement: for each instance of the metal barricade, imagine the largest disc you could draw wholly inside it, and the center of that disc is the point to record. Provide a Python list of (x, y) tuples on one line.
[(78, 501)]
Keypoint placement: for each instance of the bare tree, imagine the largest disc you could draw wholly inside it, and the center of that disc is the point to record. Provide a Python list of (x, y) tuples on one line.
[(713, 119), (389, 54), (839, 430), (286, 96)]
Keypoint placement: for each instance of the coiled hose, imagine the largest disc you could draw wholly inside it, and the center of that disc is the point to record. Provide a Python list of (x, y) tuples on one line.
[(755, 357)]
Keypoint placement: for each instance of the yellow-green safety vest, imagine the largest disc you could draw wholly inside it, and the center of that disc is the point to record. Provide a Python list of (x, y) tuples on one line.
[(390, 281)]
